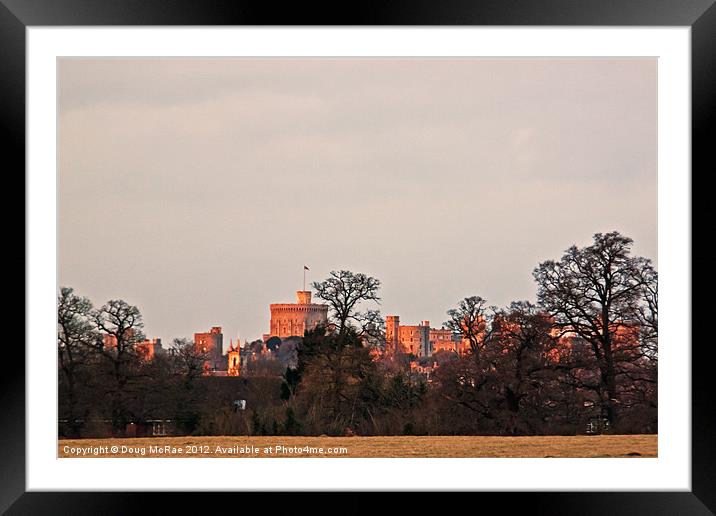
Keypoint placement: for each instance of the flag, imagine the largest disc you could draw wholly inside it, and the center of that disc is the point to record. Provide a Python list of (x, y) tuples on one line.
[(305, 268)]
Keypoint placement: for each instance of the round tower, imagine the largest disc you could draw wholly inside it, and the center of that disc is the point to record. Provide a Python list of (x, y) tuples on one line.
[(294, 319)]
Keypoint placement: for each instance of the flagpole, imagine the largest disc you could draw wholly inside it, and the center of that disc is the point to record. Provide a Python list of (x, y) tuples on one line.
[(304, 278)]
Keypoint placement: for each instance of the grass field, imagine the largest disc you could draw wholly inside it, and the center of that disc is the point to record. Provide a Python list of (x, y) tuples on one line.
[(389, 446)]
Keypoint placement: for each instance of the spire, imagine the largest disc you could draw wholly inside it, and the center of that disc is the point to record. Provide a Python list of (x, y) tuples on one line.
[(231, 345)]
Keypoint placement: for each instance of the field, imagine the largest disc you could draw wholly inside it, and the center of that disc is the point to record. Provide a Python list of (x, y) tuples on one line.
[(387, 446)]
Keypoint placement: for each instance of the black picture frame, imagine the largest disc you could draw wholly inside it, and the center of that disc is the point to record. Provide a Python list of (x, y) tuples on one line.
[(700, 15)]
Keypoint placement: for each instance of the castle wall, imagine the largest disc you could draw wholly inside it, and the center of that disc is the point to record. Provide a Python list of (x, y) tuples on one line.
[(415, 339)]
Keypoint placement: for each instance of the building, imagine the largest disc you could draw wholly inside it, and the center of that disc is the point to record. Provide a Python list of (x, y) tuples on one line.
[(407, 339), (392, 335), (424, 370), (293, 319), (211, 343), (445, 340), (234, 360), (146, 348), (109, 341), (420, 340)]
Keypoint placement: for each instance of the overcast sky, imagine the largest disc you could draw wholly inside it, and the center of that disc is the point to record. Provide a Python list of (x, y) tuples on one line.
[(197, 189)]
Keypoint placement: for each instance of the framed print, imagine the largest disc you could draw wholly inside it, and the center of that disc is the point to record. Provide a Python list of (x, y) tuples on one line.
[(421, 252)]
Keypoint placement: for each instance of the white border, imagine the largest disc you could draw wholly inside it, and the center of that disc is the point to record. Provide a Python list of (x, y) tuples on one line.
[(672, 468)]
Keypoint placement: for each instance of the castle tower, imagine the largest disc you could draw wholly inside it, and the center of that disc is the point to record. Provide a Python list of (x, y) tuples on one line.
[(425, 348), (234, 360), (392, 334), (293, 319), (211, 343)]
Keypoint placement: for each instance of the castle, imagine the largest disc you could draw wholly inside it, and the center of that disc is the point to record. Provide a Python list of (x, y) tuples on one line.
[(420, 340), (146, 349), (234, 359), (287, 320), (293, 319), (217, 363)]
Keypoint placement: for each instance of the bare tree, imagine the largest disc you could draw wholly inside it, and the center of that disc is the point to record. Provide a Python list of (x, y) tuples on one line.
[(596, 293), (75, 338), (344, 291), (525, 367), (507, 383), (334, 379), (121, 324), (372, 329), (469, 320), (188, 360), (648, 313)]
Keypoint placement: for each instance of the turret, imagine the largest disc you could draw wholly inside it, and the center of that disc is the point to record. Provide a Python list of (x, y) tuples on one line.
[(303, 297), (392, 334)]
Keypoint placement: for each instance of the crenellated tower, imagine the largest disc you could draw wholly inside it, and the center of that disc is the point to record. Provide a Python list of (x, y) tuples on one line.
[(293, 319)]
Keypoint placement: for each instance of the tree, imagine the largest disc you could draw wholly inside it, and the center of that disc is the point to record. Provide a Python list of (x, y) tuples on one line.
[(273, 343), (188, 360), (596, 292), (335, 373), (511, 383), (75, 338), (372, 329), (523, 353), (291, 425), (290, 378), (287, 353), (122, 326), (469, 320), (183, 392), (344, 291), (648, 313)]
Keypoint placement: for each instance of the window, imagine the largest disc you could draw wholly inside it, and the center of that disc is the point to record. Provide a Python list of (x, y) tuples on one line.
[(158, 428)]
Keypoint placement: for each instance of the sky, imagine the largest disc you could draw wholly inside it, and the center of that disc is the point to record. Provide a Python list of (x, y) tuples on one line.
[(197, 189)]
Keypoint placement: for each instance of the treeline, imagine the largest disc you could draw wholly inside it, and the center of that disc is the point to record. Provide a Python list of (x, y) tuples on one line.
[(583, 358), (105, 379)]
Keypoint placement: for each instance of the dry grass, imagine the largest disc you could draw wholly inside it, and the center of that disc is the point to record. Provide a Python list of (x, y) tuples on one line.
[(387, 446)]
